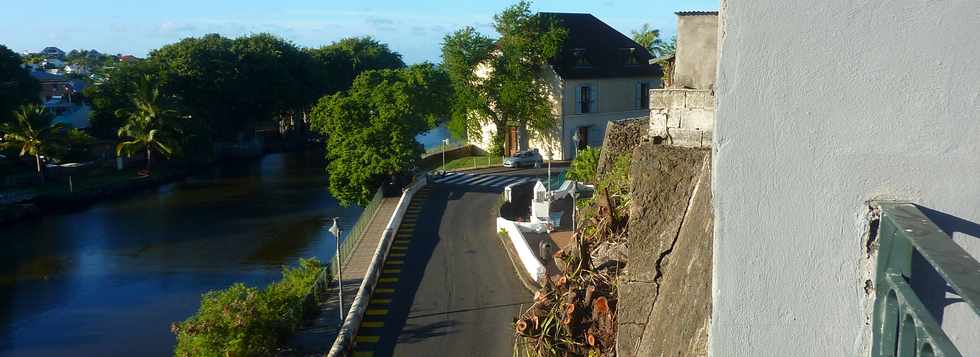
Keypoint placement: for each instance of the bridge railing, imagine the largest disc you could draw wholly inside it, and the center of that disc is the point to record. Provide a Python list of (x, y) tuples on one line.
[(902, 325)]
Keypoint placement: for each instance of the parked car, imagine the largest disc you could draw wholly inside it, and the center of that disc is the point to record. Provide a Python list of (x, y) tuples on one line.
[(525, 158)]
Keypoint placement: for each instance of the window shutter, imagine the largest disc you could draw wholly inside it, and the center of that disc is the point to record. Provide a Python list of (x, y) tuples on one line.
[(578, 100), (594, 99), (637, 99)]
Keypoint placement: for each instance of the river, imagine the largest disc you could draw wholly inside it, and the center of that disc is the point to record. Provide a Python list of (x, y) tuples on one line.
[(108, 280)]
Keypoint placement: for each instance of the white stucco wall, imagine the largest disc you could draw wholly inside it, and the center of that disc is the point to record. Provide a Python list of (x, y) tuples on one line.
[(822, 106)]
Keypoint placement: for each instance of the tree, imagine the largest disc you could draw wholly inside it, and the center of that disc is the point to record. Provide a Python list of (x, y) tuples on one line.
[(513, 91), (148, 124), (113, 96), (371, 128), (34, 133), (649, 38), (17, 87), (341, 62)]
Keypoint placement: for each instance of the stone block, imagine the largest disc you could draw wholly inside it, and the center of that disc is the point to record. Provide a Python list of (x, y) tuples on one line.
[(659, 99), (696, 99), (678, 99)]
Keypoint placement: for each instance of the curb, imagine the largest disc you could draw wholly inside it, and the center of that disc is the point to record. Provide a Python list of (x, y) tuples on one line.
[(522, 275)]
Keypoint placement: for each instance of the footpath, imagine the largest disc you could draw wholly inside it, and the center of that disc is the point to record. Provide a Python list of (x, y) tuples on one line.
[(316, 338)]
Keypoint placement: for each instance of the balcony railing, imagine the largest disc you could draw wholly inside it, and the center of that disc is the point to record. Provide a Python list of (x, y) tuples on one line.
[(903, 326)]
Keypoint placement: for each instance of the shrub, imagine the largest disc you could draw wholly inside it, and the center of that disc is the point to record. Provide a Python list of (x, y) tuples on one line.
[(583, 168), (246, 321)]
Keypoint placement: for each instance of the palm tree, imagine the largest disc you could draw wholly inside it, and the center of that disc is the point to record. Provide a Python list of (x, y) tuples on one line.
[(33, 132), (649, 37), (145, 127)]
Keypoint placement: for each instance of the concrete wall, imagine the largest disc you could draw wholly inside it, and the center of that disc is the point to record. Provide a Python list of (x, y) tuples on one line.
[(682, 117), (697, 48), (822, 106)]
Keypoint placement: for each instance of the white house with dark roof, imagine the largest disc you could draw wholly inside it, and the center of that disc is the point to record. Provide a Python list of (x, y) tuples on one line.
[(601, 75)]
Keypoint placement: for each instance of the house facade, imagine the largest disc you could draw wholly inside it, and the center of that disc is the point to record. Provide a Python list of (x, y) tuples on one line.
[(601, 75)]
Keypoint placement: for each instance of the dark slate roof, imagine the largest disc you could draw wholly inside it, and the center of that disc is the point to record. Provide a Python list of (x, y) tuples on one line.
[(43, 76), (604, 49), (696, 13)]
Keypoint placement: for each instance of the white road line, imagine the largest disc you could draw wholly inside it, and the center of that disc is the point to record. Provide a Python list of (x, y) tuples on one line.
[(508, 182), (483, 180), (470, 180), (497, 180), (456, 180), (447, 177)]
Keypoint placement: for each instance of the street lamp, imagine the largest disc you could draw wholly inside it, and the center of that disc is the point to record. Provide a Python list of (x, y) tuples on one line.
[(340, 274), (445, 144), (576, 139)]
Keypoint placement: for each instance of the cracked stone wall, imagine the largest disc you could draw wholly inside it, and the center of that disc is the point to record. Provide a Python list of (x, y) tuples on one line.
[(665, 297), (621, 136)]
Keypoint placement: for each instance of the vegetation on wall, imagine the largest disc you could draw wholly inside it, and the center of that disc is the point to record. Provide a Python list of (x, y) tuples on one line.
[(512, 92), (246, 321), (583, 167)]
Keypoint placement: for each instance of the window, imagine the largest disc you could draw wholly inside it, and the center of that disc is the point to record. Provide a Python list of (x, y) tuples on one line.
[(642, 95), (581, 60), (629, 57), (585, 100)]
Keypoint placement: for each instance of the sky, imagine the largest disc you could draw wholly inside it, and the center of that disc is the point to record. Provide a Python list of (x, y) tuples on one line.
[(412, 28)]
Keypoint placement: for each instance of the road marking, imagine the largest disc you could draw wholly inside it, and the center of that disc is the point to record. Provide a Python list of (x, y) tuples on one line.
[(395, 262), (509, 182), (377, 312), (392, 271), (453, 181), (381, 301), (368, 339), (385, 290), (373, 324), (484, 180), (499, 179), (399, 248), (397, 255), (388, 280)]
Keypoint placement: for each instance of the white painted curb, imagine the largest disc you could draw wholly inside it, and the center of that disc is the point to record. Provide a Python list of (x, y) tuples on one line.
[(345, 338), (529, 260)]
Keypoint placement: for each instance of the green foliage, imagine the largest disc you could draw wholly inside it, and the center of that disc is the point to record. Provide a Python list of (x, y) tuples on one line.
[(649, 38), (246, 321), (583, 167), (339, 63), (17, 87), (513, 93), (616, 180), (33, 133), (114, 96), (150, 124), (371, 128)]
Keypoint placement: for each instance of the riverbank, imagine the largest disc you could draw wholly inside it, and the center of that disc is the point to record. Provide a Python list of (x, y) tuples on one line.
[(57, 196)]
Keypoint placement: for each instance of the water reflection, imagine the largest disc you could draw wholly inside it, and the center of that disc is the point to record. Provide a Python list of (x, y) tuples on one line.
[(108, 280)]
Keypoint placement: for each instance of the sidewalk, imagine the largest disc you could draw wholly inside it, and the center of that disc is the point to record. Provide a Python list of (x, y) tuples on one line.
[(316, 338)]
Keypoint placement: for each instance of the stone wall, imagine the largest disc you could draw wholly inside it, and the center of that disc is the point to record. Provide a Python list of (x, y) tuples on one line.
[(697, 50), (665, 292), (682, 117), (621, 137)]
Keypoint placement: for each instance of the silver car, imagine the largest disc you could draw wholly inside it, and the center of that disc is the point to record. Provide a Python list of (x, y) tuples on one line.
[(524, 158)]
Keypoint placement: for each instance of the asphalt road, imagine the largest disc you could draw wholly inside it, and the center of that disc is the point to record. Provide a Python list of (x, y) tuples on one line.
[(456, 294)]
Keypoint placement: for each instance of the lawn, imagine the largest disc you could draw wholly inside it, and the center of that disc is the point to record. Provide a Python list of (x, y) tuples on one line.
[(470, 162)]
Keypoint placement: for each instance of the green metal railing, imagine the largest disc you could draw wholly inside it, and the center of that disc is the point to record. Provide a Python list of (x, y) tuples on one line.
[(346, 247), (902, 324)]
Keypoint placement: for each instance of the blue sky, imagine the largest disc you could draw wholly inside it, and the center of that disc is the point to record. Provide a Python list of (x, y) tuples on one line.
[(413, 28)]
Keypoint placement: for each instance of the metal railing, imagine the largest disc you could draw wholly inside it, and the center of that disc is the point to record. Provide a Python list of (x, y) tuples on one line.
[(356, 232), (903, 326), (343, 255)]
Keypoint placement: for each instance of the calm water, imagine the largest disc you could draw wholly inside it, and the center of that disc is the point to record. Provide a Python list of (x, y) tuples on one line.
[(109, 280)]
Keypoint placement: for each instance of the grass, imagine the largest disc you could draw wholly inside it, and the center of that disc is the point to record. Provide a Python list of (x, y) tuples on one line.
[(470, 162)]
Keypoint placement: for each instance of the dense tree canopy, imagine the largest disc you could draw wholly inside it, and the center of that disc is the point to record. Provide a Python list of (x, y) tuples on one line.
[(371, 128), (513, 92), (17, 87), (340, 62)]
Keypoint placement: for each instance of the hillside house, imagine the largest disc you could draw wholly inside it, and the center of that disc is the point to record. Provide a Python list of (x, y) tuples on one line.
[(601, 75)]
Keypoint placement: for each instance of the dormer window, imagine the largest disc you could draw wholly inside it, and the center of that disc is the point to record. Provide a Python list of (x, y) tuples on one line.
[(581, 60), (629, 56)]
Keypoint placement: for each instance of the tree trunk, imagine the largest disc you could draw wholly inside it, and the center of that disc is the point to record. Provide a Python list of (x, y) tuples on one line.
[(498, 145)]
